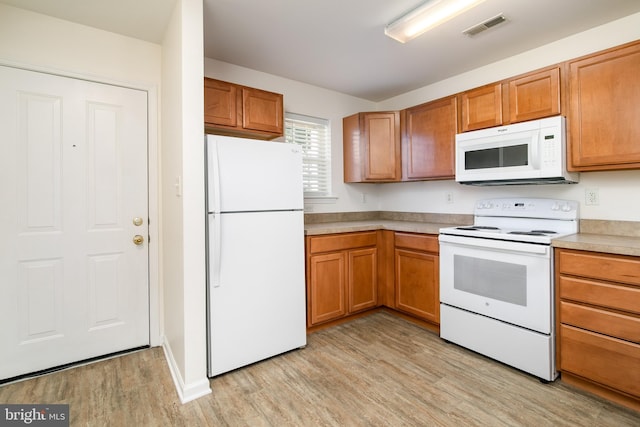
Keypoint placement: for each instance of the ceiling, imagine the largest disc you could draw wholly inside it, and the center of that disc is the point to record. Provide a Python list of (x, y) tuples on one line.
[(141, 19), (340, 44)]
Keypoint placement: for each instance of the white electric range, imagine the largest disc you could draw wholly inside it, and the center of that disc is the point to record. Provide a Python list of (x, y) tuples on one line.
[(496, 280)]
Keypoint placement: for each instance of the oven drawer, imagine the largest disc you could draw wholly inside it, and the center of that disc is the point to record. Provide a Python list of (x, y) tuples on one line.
[(611, 362), (616, 268), (619, 297), (602, 321)]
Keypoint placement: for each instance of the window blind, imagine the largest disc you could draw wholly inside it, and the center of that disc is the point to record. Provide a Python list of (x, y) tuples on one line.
[(313, 135)]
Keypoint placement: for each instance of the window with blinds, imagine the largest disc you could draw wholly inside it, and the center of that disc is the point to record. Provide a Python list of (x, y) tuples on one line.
[(313, 135)]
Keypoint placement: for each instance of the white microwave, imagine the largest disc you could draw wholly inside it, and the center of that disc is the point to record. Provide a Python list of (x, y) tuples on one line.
[(531, 152)]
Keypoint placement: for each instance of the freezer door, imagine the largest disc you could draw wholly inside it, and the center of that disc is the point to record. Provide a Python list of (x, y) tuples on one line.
[(257, 308), (250, 175)]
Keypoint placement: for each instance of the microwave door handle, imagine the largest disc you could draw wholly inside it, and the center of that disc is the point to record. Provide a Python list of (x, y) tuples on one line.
[(535, 150)]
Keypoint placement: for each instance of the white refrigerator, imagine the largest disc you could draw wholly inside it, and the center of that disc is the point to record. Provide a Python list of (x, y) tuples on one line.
[(255, 242)]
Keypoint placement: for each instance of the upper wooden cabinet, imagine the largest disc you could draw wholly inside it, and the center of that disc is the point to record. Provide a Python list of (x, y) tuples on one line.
[(604, 89), (481, 107), (371, 144), (428, 140), (530, 96), (231, 109), (534, 95)]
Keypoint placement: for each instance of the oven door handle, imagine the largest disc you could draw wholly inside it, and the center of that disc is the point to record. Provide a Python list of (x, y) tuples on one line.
[(504, 245)]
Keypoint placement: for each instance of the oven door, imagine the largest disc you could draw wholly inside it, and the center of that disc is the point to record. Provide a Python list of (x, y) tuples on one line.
[(507, 281)]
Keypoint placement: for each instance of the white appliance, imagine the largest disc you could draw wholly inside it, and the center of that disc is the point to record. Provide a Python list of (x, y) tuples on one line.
[(255, 245), (531, 152), (496, 281)]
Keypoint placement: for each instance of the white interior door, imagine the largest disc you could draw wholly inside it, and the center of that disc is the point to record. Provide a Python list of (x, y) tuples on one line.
[(73, 177)]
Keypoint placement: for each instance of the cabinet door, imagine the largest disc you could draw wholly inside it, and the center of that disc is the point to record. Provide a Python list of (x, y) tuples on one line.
[(535, 96), (381, 146), (262, 110), (604, 90), (326, 287), (428, 140), (605, 360), (362, 283), (220, 103), (417, 284), (482, 107)]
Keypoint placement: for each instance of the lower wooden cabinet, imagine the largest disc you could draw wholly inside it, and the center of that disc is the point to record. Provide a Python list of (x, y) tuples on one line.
[(349, 273), (417, 276), (598, 323), (342, 275)]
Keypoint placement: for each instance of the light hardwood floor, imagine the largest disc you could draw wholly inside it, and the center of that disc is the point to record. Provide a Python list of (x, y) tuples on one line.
[(378, 370)]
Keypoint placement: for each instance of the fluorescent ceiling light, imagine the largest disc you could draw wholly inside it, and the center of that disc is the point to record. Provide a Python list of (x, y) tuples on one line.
[(427, 16)]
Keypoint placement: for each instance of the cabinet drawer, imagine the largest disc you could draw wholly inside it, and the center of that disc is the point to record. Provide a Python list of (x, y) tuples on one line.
[(607, 267), (602, 321), (420, 242), (337, 242), (608, 361), (625, 298)]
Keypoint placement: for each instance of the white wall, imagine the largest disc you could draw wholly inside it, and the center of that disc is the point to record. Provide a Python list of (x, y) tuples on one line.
[(618, 190), (183, 229), (29, 38), (313, 101)]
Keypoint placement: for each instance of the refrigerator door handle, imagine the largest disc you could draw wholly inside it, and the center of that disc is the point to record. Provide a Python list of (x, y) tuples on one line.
[(216, 263), (214, 163)]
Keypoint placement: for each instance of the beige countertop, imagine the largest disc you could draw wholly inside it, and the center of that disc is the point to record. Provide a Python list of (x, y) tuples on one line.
[(612, 244), (375, 224), (628, 244)]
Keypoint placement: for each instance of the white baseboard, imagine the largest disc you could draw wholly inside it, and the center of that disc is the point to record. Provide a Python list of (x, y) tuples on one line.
[(186, 392)]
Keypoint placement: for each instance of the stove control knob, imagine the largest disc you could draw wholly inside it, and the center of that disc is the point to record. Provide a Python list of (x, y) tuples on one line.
[(566, 208), (555, 207)]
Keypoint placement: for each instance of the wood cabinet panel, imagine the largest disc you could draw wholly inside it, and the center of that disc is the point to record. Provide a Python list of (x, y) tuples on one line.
[(482, 107), (428, 140), (363, 283), (231, 109), (371, 147), (326, 288), (617, 297), (418, 242), (618, 268), (417, 284), (342, 275), (600, 358), (262, 110), (598, 323), (337, 242), (604, 89), (530, 96), (535, 95), (602, 321), (220, 103)]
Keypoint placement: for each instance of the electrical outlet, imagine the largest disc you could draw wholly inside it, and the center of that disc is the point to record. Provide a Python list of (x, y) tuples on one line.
[(364, 197), (591, 197), (449, 197)]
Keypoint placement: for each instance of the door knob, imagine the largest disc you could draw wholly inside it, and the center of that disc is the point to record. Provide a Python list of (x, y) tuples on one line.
[(137, 221), (138, 239)]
